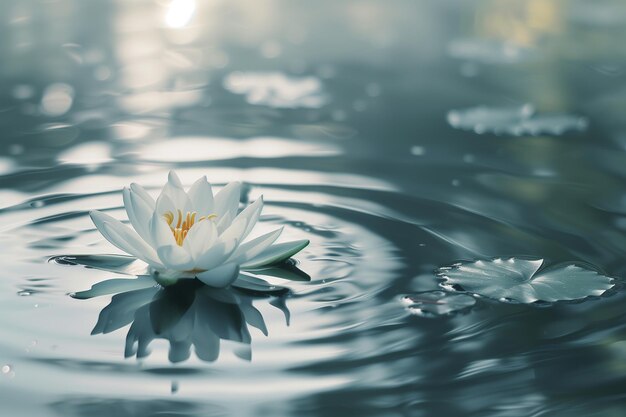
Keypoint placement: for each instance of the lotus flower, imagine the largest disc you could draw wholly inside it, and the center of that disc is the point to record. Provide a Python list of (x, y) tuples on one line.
[(194, 234)]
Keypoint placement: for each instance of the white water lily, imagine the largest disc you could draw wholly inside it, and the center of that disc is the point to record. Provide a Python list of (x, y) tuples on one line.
[(194, 234)]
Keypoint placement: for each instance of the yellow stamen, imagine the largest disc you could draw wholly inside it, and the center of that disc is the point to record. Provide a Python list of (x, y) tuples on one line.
[(183, 226), (180, 219)]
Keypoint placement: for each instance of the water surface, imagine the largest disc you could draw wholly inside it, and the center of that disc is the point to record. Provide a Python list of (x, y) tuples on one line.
[(339, 114)]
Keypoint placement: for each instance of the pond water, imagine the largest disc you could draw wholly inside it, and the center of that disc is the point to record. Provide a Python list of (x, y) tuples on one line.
[(398, 137)]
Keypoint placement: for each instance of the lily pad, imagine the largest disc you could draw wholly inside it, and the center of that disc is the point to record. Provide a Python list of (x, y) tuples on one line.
[(121, 264), (516, 121), (437, 303), (522, 280)]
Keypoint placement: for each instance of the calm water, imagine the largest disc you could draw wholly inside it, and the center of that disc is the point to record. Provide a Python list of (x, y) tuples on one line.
[(397, 136)]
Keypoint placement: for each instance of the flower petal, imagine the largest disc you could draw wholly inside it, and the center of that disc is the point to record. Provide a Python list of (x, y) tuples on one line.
[(124, 238), (224, 222), (160, 231), (255, 247), (221, 276), (164, 204), (201, 195), (251, 214), (227, 200), (175, 191), (175, 257), (200, 238), (275, 253), (138, 213), (143, 194), (223, 247)]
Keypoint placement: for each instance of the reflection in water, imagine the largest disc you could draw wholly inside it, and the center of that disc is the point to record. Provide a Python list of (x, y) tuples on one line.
[(185, 314)]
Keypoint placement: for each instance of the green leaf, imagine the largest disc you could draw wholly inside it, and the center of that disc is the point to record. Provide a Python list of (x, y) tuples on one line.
[(521, 280)]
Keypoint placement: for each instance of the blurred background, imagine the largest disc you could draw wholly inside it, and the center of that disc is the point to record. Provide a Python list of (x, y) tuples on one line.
[(398, 136)]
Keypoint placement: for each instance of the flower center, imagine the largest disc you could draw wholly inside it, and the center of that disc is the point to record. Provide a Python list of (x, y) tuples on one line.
[(183, 223)]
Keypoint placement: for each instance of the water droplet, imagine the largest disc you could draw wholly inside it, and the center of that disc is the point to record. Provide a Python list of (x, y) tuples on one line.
[(24, 293), (6, 369), (418, 150), (174, 387), (57, 99), (456, 183), (37, 204)]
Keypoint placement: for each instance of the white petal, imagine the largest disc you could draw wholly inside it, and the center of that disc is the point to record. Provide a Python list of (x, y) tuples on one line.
[(139, 214), (227, 200), (224, 222), (164, 204), (225, 245), (221, 276), (160, 231), (251, 214), (255, 247), (201, 195), (275, 253), (175, 191), (143, 194), (175, 257), (124, 238), (200, 237)]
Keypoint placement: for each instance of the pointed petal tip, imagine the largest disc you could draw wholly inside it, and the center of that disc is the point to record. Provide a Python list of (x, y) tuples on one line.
[(173, 178)]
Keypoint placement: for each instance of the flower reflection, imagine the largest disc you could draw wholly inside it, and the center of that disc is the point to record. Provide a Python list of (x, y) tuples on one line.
[(185, 314)]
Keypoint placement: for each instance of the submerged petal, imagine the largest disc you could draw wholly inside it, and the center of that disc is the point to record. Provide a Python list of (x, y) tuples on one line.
[(221, 276), (124, 238), (275, 253)]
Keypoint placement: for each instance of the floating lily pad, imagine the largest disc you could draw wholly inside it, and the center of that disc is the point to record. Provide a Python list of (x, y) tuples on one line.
[(437, 303), (516, 121), (522, 280), (121, 264)]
